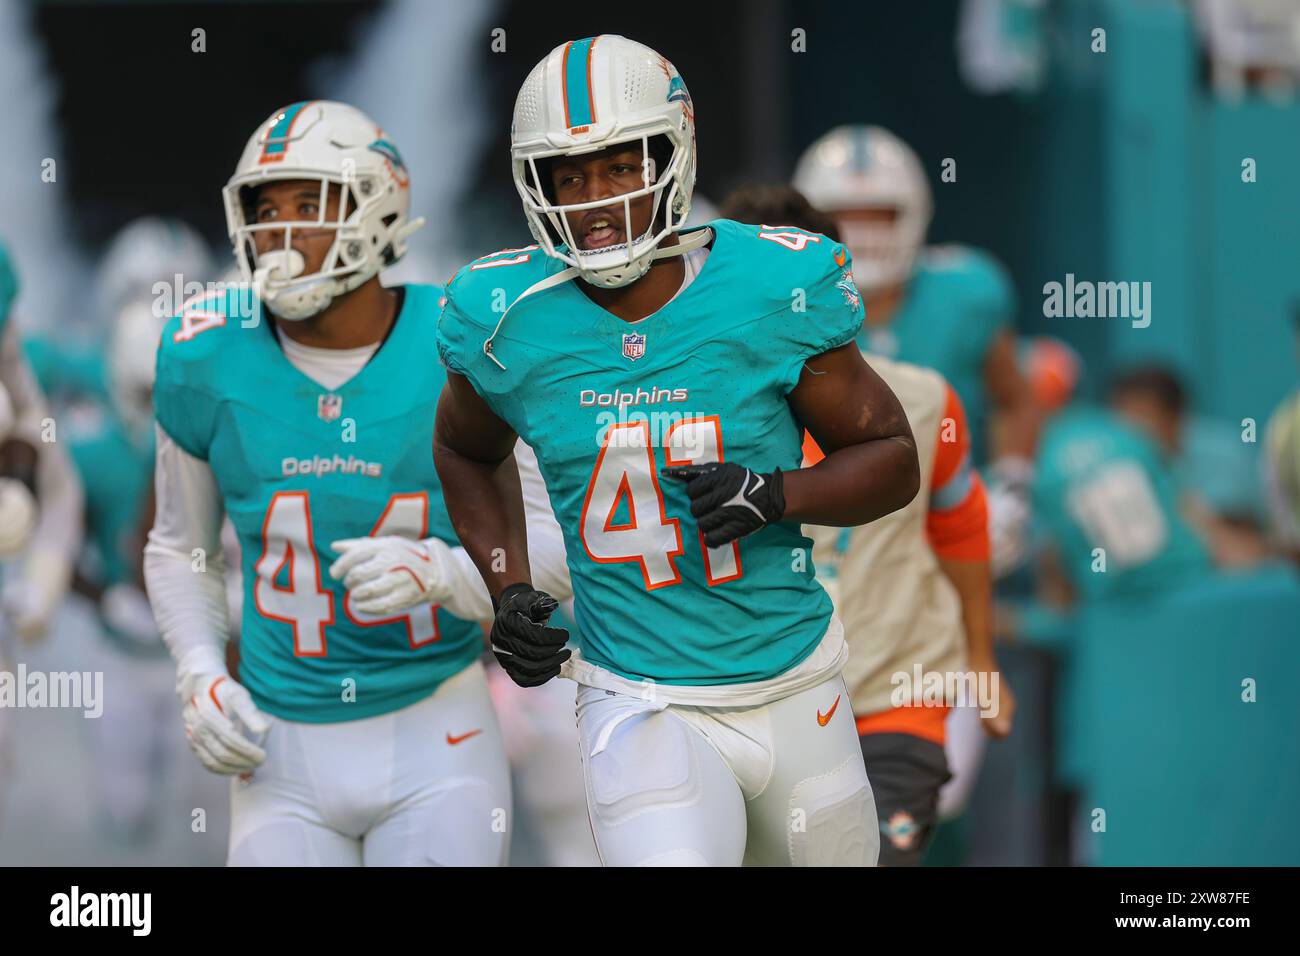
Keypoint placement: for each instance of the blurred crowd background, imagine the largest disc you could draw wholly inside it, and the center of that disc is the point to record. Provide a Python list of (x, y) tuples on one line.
[(1148, 141)]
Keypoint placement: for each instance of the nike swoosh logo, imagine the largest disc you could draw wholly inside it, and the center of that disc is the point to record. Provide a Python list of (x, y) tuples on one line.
[(463, 737), (840, 257), (824, 720)]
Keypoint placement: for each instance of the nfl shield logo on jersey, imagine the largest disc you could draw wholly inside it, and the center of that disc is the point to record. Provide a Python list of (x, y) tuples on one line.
[(633, 345), (329, 407)]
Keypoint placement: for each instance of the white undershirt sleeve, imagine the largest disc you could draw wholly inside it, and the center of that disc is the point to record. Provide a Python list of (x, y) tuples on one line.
[(189, 605)]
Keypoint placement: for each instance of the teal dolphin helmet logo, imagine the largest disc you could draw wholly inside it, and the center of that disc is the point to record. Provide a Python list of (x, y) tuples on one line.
[(387, 150), (677, 92)]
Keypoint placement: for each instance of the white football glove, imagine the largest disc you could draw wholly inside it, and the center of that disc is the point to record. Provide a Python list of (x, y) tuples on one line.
[(391, 574), (17, 517), (217, 712), (1007, 493), (32, 595)]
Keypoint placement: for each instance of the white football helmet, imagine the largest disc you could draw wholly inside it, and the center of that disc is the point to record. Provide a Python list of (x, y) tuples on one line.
[(867, 167), (333, 144), (585, 96), (146, 251), (132, 347)]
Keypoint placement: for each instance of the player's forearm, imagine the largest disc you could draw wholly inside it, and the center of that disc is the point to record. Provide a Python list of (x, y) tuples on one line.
[(189, 607), (1013, 429), (486, 507), (974, 585), (62, 501), (855, 484), (184, 571)]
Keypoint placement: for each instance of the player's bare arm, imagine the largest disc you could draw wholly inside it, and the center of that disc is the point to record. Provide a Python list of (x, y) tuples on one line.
[(870, 468), (473, 451), (1015, 422)]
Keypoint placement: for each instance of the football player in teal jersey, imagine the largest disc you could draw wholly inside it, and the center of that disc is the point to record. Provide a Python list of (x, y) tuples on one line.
[(40, 497), (136, 756), (40, 501), (665, 393), (1109, 505), (359, 730)]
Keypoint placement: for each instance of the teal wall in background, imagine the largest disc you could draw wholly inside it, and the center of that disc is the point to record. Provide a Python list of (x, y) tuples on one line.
[(1123, 167), (1221, 254), (1253, 266)]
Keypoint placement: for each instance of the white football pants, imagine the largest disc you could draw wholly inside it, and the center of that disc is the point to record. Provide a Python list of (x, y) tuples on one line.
[(777, 784), (427, 785)]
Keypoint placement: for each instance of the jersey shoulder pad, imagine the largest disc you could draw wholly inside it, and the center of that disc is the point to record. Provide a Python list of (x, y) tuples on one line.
[(207, 325), (780, 258), (198, 350), (794, 288), (482, 290)]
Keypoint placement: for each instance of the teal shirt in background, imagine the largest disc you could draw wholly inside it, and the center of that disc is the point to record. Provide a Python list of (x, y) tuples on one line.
[(1222, 470), (1100, 483), (116, 470), (957, 302)]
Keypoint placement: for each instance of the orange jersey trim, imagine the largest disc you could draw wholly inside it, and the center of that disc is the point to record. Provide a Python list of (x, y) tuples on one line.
[(958, 532), (961, 533)]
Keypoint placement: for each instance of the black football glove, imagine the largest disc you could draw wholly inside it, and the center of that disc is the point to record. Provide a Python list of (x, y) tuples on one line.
[(728, 500), (529, 651)]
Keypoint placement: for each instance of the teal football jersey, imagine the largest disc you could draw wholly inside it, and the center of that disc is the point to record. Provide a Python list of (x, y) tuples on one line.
[(1100, 484), (68, 371), (299, 467), (116, 471), (956, 303), (606, 404)]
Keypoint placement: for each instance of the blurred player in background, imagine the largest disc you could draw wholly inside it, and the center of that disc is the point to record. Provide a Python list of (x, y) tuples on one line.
[(1108, 504), (1217, 473), (109, 423), (948, 307), (912, 588), (710, 702), (40, 500), (359, 730), (40, 497)]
